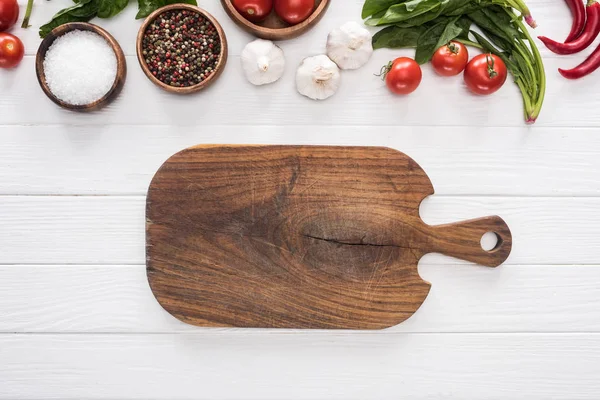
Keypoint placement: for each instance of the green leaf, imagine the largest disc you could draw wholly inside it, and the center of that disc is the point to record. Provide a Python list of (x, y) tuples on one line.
[(404, 11), (372, 7), (395, 37), (146, 7), (110, 8), (83, 11), (435, 37)]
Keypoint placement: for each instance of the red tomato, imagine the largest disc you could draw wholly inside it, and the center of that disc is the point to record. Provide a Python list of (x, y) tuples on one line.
[(11, 50), (294, 11), (485, 74), (253, 10), (9, 13), (403, 75), (451, 59)]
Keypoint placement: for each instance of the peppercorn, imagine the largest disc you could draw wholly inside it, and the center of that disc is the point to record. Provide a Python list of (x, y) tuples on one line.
[(181, 48)]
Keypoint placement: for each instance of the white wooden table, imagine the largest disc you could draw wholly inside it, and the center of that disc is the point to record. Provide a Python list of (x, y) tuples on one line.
[(78, 320)]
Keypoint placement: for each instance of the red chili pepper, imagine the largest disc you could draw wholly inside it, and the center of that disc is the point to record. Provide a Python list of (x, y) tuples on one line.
[(578, 13), (585, 68), (591, 30)]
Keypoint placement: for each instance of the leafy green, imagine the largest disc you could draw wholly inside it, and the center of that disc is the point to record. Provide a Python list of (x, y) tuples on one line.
[(404, 11), (395, 37), (83, 11), (110, 8), (146, 7), (372, 7)]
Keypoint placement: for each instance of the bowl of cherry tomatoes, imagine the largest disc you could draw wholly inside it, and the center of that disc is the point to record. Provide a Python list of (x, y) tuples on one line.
[(276, 19)]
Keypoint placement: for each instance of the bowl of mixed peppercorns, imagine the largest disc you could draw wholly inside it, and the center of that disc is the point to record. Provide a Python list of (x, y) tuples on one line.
[(182, 48)]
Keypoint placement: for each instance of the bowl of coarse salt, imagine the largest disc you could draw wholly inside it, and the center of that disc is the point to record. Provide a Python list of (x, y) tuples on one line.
[(80, 66)]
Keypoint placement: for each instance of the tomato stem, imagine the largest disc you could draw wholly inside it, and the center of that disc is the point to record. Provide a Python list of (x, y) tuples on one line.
[(25, 23), (453, 48), (490, 63), (384, 70)]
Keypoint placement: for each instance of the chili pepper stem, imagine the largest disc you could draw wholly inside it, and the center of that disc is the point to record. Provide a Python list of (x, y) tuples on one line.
[(28, 10)]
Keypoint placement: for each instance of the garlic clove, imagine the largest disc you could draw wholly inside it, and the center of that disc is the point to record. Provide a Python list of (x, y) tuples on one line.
[(350, 46), (263, 62), (318, 77)]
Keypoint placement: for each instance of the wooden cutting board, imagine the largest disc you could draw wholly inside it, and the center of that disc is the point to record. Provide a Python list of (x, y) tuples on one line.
[(298, 236)]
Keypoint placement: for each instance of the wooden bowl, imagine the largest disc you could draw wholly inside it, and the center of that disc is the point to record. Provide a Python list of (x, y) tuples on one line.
[(121, 65), (273, 28), (189, 89)]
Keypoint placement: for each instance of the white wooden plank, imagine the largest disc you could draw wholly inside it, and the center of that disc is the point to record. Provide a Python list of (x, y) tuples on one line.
[(235, 365), (117, 299), (460, 161), (362, 100), (110, 230)]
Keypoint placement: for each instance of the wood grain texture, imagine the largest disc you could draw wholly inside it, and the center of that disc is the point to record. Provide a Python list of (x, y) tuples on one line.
[(115, 89), (298, 236), (222, 55), (274, 28)]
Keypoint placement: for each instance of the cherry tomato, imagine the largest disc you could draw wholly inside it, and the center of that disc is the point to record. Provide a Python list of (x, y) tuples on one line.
[(485, 74), (9, 13), (11, 50), (403, 75), (451, 59), (254, 10), (294, 11)]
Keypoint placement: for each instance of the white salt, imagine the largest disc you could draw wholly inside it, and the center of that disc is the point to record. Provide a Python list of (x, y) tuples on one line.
[(80, 67)]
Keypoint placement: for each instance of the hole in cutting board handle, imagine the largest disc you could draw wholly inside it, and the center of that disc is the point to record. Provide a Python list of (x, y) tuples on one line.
[(490, 241)]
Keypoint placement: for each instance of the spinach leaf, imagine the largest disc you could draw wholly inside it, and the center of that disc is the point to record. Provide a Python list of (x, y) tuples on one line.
[(435, 37), (372, 7), (449, 7), (464, 23), (395, 37), (83, 11), (146, 7), (375, 18), (502, 21), (404, 11), (110, 8)]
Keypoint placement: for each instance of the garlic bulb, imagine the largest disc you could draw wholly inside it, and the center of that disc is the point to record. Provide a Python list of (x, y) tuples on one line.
[(263, 62), (318, 77), (350, 46)]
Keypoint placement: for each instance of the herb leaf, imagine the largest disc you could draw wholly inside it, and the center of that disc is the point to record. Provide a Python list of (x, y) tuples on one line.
[(83, 11), (146, 7), (110, 8)]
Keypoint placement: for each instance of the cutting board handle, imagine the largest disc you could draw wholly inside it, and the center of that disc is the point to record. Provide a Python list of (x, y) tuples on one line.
[(463, 240)]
